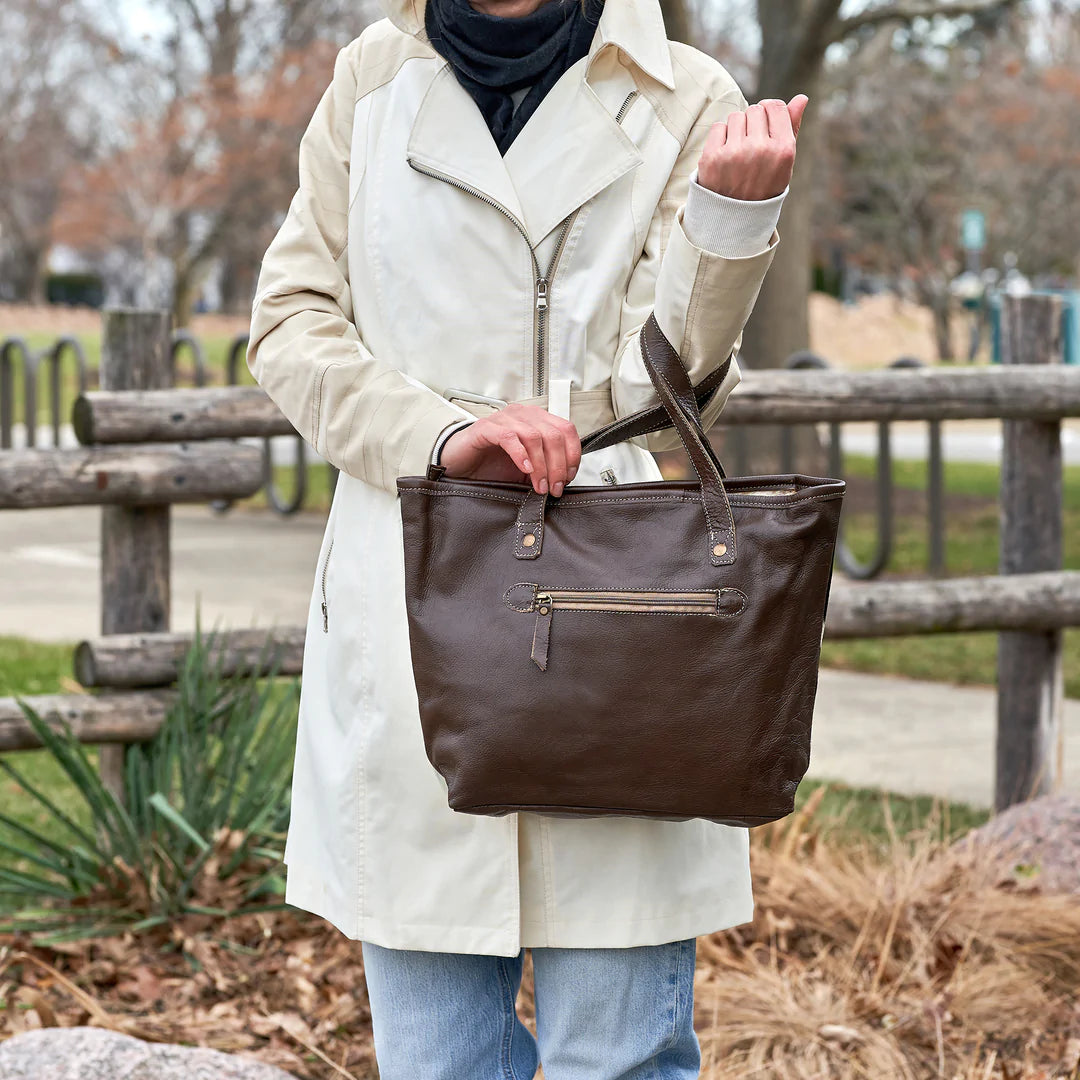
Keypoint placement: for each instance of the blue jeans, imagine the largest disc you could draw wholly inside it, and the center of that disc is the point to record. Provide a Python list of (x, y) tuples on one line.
[(601, 1014)]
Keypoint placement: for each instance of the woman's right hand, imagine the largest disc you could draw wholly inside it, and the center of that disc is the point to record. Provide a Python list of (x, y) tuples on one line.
[(516, 443)]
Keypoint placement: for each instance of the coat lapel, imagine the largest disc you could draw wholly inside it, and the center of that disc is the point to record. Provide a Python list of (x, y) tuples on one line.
[(569, 149), (450, 136)]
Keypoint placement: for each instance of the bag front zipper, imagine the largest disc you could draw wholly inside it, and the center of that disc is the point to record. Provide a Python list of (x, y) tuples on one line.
[(543, 599), (542, 280)]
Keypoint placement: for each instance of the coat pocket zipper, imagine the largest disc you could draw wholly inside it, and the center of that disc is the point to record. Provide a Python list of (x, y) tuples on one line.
[(543, 599), (326, 563)]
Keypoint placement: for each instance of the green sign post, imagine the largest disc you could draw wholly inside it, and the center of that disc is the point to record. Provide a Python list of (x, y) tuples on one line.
[(973, 230), (973, 236)]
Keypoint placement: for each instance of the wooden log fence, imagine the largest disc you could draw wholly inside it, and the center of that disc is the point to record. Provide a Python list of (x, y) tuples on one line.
[(140, 474), (146, 446), (135, 660), (112, 718)]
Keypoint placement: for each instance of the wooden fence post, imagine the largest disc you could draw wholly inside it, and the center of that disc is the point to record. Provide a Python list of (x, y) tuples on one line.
[(1029, 748), (135, 355)]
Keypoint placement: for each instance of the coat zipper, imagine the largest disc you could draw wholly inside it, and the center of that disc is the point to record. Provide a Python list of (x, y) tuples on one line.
[(546, 599), (326, 563), (542, 280)]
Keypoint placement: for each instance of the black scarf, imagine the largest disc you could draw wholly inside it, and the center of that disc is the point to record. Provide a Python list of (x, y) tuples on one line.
[(493, 55)]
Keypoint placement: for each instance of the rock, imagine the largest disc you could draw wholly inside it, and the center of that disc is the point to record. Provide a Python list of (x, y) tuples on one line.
[(92, 1053), (1034, 843)]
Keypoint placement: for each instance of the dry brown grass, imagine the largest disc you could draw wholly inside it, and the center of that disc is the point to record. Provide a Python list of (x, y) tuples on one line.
[(916, 964), (907, 964)]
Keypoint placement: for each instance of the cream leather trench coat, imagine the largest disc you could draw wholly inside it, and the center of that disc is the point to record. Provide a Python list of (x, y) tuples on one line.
[(406, 284)]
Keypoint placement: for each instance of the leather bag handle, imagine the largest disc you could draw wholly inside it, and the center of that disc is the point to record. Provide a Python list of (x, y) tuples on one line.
[(654, 418), (680, 404)]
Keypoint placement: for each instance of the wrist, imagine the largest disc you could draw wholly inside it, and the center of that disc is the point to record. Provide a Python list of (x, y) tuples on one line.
[(444, 437), (734, 228)]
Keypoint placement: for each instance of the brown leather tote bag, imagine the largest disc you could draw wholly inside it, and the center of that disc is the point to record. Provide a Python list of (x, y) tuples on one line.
[(645, 649)]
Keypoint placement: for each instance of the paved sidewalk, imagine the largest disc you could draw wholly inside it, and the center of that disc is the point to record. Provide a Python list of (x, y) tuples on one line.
[(916, 737), (252, 568)]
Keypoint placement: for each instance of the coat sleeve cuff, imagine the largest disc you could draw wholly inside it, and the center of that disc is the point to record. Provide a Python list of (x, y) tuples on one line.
[(445, 434), (734, 228)]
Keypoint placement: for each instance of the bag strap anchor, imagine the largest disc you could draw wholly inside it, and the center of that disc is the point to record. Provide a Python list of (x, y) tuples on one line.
[(680, 404)]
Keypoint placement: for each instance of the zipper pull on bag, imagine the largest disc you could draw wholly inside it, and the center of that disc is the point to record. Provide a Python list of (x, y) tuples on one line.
[(541, 630)]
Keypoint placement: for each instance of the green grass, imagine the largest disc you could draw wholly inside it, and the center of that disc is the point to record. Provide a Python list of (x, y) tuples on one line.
[(30, 668), (34, 667), (316, 499), (859, 813), (971, 548)]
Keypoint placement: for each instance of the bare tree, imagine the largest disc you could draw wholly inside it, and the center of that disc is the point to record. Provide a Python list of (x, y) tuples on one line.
[(44, 51), (794, 36), (201, 157), (920, 141)]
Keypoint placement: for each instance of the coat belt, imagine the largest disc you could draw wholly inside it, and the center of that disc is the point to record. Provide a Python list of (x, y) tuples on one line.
[(589, 409)]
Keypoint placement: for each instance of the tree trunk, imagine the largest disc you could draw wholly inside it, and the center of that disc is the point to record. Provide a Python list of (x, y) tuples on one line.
[(677, 21), (37, 268), (942, 327), (184, 297)]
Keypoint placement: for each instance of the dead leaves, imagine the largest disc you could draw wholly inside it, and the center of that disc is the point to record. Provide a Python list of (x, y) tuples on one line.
[(283, 987), (915, 965)]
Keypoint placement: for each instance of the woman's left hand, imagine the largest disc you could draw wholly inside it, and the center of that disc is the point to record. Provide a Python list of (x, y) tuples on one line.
[(751, 154)]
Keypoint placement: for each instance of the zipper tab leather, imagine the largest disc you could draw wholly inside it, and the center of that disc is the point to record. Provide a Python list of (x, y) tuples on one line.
[(541, 630)]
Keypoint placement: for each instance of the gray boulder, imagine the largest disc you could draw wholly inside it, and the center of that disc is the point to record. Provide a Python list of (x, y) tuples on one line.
[(1035, 842), (91, 1053)]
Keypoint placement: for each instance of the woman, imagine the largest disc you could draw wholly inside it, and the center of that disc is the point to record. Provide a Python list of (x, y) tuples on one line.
[(493, 196)]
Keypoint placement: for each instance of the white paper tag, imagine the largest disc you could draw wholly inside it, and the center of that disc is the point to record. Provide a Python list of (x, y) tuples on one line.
[(559, 397)]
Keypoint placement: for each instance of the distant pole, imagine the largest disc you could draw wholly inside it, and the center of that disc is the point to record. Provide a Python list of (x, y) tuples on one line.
[(1030, 675), (135, 552)]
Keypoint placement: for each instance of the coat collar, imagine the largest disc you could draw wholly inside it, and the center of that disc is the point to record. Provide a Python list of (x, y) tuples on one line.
[(569, 149), (635, 26)]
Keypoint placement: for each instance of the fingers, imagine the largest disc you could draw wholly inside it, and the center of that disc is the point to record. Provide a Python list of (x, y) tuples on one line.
[(562, 453), (509, 441), (530, 435), (542, 445), (779, 118), (796, 108), (784, 118), (555, 457), (757, 122), (735, 126)]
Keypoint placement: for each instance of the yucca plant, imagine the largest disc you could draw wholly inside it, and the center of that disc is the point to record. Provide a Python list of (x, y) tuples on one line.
[(200, 827)]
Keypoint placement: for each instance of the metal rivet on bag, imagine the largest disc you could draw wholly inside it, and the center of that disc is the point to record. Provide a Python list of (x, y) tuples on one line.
[(528, 540), (719, 549)]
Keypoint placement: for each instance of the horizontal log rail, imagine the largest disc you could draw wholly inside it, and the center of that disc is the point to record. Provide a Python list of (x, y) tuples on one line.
[(217, 412), (1045, 600), (810, 396), (762, 397), (129, 475), (145, 659), (131, 716)]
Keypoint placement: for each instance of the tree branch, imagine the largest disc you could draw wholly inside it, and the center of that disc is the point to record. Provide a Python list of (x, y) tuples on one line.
[(906, 12)]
